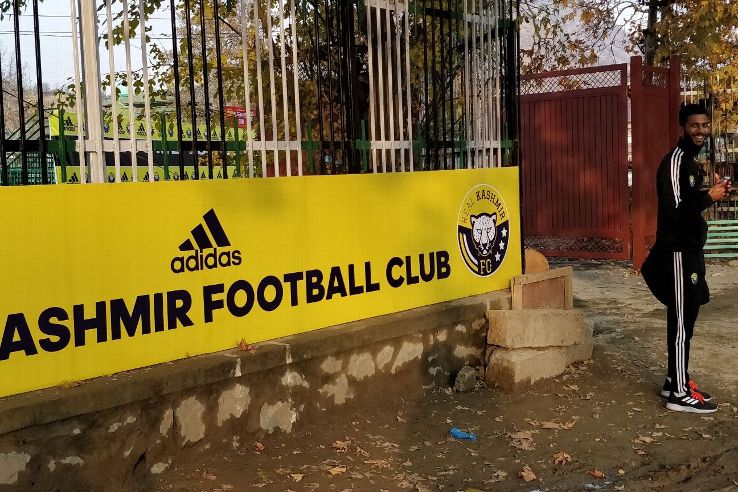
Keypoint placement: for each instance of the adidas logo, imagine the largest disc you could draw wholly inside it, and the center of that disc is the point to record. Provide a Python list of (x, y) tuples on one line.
[(205, 255)]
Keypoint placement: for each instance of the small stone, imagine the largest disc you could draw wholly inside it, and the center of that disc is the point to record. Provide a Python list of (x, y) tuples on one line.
[(465, 380)]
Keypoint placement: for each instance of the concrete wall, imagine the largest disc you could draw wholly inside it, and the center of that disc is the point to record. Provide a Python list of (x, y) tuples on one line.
[(114, 433)]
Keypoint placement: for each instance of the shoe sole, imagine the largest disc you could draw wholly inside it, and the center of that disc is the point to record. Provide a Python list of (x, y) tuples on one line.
[(682, 408), (665, 394)]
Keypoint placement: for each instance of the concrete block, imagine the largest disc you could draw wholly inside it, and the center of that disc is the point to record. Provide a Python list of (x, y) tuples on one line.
[(537, 328), (550, 289), (515, 369)]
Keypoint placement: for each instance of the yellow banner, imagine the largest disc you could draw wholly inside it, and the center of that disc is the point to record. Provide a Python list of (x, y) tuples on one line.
[(99, 279)]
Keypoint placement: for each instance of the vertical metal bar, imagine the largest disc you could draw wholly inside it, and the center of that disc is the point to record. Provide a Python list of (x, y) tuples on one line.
[(206, 89), (191, 74), (498, 94), (426, 112), (272, 89), (164, 142), (246, 85), (295, 79), (372, 88), (79, 107), (260, 87), (380, 76), (147, 96), (467, 84), (113, 91), (443, 100), (237, 141), (285, 102), (488, 77), (62, 142), (219, 77), (40, 95), (341, 82), (19, 89), (93, 91), (329, 52), (353, 93), (319, 79), (390, 91), (131, 91), (453, 38), (407, 86), (177, 98), (434, 78), (398, 64), (3, 156), (476, 69)]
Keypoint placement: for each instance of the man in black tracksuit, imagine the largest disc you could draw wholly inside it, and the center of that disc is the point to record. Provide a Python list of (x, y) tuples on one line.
[(675, 267)]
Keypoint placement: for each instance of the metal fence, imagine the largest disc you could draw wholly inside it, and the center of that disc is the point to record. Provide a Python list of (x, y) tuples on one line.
[(720, 154), (264, 88)]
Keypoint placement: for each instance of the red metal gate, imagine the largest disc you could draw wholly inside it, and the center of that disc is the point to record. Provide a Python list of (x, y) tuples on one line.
[(574, 138), (655, 123)]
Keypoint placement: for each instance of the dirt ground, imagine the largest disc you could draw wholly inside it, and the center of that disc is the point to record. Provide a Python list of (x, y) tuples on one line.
[(599, 426)]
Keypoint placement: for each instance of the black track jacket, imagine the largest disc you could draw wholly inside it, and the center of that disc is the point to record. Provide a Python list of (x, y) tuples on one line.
[(680, 225), (681, 228)]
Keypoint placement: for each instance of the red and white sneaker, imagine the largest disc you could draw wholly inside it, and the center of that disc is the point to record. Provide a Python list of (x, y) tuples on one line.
[(690, 403), (665, 391)]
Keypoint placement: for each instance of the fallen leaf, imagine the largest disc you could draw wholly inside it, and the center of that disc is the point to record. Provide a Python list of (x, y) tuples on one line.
[(527, 474), (341, 446), (208, 476), (246, 347), (361, 452), (621, 472), (641, 452), (568, 425), (226, 486), (258, 447), (636, 409), (643, 440), (659, 426), (522, 440), (550, 425), (377, 463), (597, 473), (522, 435), (572, 387), (561, 458), (297, 476), (337, 470)]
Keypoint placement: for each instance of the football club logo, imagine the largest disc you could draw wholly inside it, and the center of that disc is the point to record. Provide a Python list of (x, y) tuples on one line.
[(691, 180), (483, 230), (694, 278)]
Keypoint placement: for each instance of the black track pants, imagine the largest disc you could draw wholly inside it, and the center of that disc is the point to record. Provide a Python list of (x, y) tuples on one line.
[(678, 280)]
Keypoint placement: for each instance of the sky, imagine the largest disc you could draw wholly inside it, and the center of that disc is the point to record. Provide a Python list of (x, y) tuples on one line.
[(56, 42)]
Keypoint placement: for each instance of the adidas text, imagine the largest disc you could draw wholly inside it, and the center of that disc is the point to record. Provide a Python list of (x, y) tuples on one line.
[(206, 260)]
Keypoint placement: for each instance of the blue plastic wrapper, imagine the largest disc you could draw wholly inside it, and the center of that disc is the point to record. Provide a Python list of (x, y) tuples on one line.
[(461, 435)]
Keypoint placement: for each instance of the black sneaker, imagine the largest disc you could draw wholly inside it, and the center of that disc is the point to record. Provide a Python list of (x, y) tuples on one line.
[(665, 391), (690, 403)]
